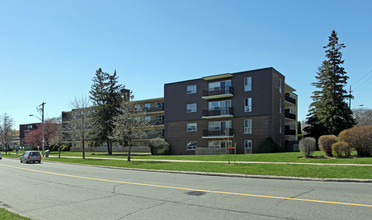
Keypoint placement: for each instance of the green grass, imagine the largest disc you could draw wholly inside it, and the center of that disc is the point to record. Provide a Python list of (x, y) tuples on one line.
[(296, 170), (275, 157), (6, 215)]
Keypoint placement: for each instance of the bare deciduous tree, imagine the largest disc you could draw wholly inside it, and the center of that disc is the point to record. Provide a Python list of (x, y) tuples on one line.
[(80, 120), (363, 116), (6, 131), (129, 124)]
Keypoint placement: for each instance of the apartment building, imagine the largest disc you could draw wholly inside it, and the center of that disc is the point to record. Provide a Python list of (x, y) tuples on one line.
[(154, 109), (234, 109)]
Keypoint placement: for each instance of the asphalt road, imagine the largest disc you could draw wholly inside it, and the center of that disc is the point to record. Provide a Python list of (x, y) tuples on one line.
[(65, 191)]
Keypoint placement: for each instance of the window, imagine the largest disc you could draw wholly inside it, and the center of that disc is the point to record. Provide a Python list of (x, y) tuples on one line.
[(280, 105), (192, 127), (248, 83), (248, 126), (147, 105), (147, 118), (191, 89), (219, 144), (192, 145), (191, 107), (138, 107), (219, 125), (222, 86), (137, 119), (280, 126), (215, 105), (159, 104), (248, 105), (280, 85), (247, 146)]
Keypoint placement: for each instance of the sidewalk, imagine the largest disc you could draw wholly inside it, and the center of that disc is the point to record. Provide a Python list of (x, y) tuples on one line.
[(240, 162)]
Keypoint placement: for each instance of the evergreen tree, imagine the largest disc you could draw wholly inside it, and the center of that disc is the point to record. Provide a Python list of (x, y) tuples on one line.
[(106, 96), (329, 113)]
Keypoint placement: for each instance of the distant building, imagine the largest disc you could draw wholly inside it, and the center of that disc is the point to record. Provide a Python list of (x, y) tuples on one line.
[(24, 129)]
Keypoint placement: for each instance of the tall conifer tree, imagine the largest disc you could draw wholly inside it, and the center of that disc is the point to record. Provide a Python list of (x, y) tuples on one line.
[(106, 95), (329, 113)]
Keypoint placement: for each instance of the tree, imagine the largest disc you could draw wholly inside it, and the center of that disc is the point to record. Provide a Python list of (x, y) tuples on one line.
[(58, 139), (329, 113), (6, 131), (129, 124), (34, 137), (80, 122), (363, 116), (106, 95)]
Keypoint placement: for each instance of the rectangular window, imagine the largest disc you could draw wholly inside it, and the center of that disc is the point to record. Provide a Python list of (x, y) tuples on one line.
[(280, 85), (247, 146), (192, 145), (248, 126), (219, 125), (248, 105), (280, 105), (159, 104), (147, 105), (215, 105), (137, 119), (223, 86), (192, 127), (191, 107), (147, 118), (248, 83), (191, 89), (280, 126)]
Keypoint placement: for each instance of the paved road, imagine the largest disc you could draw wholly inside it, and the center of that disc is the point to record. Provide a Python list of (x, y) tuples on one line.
[(67, 191)]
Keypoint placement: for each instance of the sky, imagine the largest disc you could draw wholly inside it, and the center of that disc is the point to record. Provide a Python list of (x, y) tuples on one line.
[(50, 50)]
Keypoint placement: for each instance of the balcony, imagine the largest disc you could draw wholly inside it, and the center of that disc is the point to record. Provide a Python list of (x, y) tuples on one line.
[(289, 115), (156, 122), (289, 99), (154, 109), (218, 92), (289, 131), (218, 133), (218, 113)]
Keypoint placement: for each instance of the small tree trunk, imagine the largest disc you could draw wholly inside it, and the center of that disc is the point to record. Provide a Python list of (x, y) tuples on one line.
[(129, 148), (82, 142), (59, 152), (109, 147)]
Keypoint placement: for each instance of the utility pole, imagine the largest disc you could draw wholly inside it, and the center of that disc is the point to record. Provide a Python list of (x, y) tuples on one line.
[(42, 126)]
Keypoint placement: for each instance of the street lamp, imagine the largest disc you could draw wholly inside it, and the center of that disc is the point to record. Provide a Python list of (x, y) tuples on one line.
[(42, 126)]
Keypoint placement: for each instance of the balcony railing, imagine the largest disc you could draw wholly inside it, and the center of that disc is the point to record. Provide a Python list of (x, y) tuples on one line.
[(289, 115), (218, 91), (155, 109), (289, 132), (218, 112), (156, 122), (218, 133), (288, 98)]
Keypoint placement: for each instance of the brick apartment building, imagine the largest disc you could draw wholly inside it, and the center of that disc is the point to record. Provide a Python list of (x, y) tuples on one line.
[(209, 114), (235, 108)]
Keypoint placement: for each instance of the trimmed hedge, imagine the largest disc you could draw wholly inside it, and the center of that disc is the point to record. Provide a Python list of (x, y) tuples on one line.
[(359, 138), (341, 149), (307, 146), (325, 144), (269, 146)]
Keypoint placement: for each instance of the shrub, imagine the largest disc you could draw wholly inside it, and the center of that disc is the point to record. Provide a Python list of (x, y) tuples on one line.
[(269, 146), (341, 149), (359, 138), (325, 144), (307, 146), (159, 146)]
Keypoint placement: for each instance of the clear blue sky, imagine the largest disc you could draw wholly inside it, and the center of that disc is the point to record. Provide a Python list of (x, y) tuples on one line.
[(50, 50)]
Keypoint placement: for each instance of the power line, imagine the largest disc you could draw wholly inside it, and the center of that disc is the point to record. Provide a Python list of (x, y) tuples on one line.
[(364, 84), (362, 77)]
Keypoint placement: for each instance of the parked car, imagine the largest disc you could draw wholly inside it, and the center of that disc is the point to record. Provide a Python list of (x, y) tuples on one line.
[(1, 156), (30, 156)]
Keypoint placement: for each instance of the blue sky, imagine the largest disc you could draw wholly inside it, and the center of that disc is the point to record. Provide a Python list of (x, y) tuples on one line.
[(50, 50)]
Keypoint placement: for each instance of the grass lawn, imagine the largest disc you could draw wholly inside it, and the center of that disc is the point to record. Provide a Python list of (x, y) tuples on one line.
[(275, 157), (6, 215), (296, 170)]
